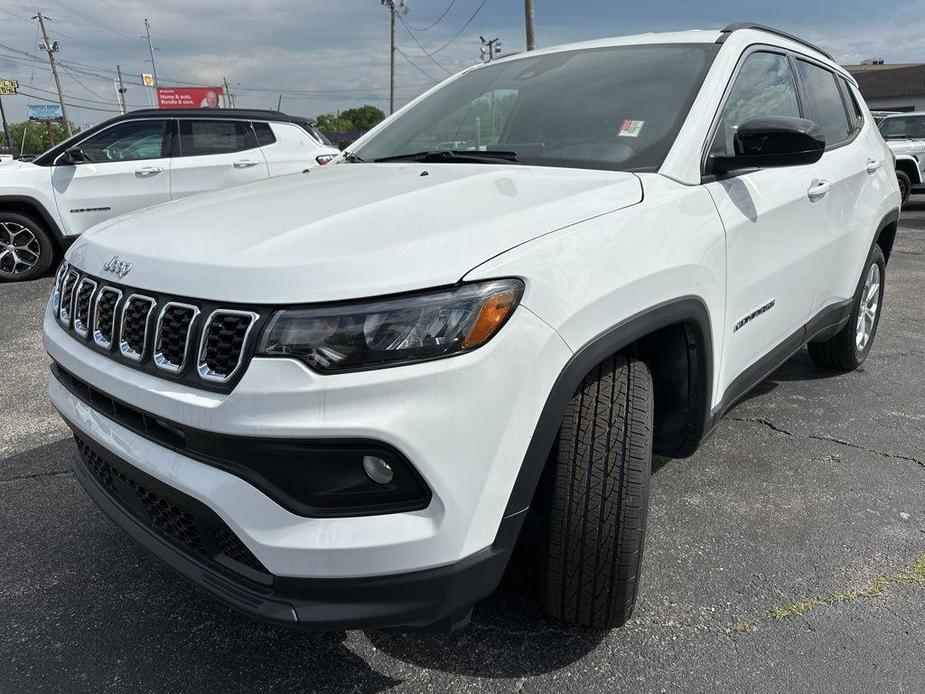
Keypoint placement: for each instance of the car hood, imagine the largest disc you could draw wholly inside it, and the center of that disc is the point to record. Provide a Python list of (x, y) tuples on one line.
[(347, 230)]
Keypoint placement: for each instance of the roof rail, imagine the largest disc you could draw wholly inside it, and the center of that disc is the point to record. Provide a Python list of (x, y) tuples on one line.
[(726, 31)]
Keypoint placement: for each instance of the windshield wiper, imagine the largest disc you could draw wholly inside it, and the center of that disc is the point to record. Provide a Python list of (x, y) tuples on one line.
[(458, 155)]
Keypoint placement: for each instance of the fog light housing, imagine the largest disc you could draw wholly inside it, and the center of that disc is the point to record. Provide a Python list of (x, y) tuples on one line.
[(377, 469)]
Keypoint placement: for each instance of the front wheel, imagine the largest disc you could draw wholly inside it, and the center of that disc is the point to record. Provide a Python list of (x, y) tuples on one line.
[(594, 519), (26, 249), (848, 349)]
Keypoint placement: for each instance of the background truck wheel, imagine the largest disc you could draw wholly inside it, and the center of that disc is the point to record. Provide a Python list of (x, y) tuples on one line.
[(850, 347), (905, 186), (594, 520), (26, 248)]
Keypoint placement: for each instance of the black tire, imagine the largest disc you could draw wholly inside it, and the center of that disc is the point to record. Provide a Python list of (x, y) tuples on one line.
[(842, 351), (905, 186), (594, 520), (32, 256)]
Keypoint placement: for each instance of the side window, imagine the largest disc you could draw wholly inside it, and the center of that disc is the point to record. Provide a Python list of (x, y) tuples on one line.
[(764, 87), (202, 137), (129, 141), (264, 133), (825, 102), (854, 108)]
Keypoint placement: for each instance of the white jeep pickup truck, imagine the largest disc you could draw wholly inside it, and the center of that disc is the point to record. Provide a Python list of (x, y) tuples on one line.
[(137, 160), (332, 400)]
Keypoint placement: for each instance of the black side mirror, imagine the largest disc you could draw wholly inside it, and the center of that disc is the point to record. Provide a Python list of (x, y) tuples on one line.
[(772, 142), (72, 156)]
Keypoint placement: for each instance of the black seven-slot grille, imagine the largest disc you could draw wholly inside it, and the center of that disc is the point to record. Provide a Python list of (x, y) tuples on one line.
[(197, 342), (183, 522)]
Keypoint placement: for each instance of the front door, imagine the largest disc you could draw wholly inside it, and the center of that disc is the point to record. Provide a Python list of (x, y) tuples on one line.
[(773, 218), (126, 167)]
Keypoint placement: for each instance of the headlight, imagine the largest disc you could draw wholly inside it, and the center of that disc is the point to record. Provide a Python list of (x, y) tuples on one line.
[(389, 332)]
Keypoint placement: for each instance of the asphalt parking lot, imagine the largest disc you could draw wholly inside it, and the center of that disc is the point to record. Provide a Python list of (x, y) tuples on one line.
[(787, 555)]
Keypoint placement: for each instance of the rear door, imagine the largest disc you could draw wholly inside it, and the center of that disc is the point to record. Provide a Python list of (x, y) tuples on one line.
[(126, 168), (773, 219), (855, 171), (214, 154)]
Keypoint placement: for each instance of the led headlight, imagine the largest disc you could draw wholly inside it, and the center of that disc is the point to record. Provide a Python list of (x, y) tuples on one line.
[(390, 332)]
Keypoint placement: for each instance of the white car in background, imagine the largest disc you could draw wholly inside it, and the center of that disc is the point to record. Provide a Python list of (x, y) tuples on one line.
[(905, 135), (138, 160)]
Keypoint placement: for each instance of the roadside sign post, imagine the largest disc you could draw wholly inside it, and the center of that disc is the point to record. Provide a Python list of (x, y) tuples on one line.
[(7, 88)]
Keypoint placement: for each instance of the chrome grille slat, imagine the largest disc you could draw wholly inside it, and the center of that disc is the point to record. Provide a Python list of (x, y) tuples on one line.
[(82, 301), (137, 318), (65, 310), (56, 292), (175, 325), (223, 343), (104, 316)]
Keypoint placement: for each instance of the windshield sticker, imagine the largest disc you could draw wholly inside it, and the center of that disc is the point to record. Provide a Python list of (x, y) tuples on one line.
[(631, 128)]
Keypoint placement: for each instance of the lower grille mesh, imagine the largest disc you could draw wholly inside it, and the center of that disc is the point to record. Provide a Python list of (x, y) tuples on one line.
[(193, 531)]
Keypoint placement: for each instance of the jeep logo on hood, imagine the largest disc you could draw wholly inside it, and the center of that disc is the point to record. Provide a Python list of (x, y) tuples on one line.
[(117, 267)]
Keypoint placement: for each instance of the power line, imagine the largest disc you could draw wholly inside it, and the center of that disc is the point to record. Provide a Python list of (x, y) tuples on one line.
[(90, 18), (415, 65), (424, 50), (438, 20), (461, 30)]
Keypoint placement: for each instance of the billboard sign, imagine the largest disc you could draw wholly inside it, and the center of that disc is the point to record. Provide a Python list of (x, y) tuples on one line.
[(44, 111), (189, 97), (8, 87), (147, 79)]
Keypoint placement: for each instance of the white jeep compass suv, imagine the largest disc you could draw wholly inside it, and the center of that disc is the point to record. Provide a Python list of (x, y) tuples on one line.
[(331, 400), (138, 160)]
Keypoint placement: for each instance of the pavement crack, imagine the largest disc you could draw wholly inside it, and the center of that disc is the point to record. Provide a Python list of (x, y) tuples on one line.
[(766, 422), (37, 475), (883, 454)]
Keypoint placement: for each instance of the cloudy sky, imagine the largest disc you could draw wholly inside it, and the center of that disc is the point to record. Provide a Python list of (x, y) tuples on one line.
[(324, 55)]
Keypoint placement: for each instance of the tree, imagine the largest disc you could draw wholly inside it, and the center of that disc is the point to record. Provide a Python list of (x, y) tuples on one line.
[(332, 123), (360, 118), (363, 117), (36, 134)]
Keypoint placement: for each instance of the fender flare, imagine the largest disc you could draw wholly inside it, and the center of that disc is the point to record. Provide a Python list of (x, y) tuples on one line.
[(46, 217), (687, 309), (917, 179)]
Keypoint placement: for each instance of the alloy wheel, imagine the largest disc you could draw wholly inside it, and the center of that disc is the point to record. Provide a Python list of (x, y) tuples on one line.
[(19, 249), (867, 313)]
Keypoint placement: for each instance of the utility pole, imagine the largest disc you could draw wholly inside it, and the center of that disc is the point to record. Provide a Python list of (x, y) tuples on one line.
[(6, 128), (120, 88), (229, 102), (394, 6), (151, 51), (528, 16), (279, 103), (51, 48)]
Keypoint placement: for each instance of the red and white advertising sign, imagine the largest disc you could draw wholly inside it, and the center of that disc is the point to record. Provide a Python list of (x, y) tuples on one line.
[(189, 97)]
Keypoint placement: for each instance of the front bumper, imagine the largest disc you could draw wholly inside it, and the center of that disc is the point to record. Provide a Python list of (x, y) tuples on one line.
[(180, 531)]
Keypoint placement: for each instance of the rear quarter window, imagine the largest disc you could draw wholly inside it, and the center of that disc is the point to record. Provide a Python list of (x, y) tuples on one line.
[(264, 133)]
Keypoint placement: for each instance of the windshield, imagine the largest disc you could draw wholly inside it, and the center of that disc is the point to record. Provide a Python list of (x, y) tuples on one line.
[(902, 127), (616, 108)]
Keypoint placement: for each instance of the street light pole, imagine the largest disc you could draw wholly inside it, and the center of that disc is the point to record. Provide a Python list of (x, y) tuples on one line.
[(120, 88), (50, 48)]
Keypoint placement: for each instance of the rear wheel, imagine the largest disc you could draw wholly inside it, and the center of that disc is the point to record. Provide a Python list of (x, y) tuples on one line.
[(26, 249), (905, 186), (848, 349), (595, 516)]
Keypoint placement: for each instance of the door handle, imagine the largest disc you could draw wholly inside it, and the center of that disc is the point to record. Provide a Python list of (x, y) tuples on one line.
[(245, 163), (818, 190), (148, 171), (873, 165)]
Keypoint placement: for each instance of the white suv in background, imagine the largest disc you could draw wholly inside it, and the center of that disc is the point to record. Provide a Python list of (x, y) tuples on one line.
[(331, 401), (137, 160), (905, 135)]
